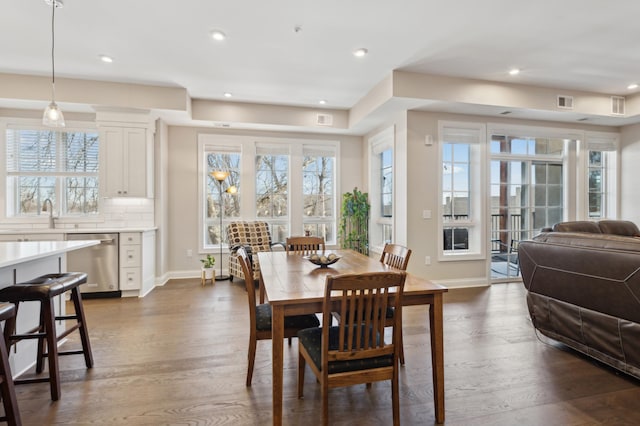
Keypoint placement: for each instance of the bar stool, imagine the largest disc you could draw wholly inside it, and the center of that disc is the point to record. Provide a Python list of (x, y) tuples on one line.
[(44, 289), (11, 413)]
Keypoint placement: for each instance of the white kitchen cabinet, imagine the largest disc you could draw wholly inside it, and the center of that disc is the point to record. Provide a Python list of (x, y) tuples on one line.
[(128, 161), (137, 262)]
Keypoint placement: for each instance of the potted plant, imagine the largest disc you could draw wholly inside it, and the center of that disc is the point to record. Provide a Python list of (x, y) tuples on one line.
[(208, 264), (354, 221)]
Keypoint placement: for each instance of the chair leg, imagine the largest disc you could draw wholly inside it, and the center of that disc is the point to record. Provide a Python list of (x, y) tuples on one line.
[(52, 348), (325, 401), (395, 397), (301, 366), (7, 389), (401, 354), (252, 359), (41, 341), (289, 341), (76, 297)]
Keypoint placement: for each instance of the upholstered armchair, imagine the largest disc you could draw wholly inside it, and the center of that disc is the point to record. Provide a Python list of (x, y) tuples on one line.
[(255, 237)]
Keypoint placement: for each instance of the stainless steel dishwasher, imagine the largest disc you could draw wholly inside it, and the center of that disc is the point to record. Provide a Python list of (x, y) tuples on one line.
[(100, 262)]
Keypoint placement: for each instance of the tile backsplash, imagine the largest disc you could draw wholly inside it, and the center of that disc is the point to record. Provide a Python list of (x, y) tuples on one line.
[(116, 213)]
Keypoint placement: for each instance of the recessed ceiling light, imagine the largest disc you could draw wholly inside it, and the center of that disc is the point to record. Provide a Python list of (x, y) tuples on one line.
[(632, 86), (105, 58), (228, 94), (322, 101), (514, 71), (359, 53), (218, 35)]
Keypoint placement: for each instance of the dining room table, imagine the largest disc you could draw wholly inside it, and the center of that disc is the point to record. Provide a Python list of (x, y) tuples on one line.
[(293, 285)]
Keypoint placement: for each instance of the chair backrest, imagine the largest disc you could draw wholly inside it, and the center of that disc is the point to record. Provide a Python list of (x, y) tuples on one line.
[(396, 255), (304, 245), (247, 270), (255, 234), (361, 329)]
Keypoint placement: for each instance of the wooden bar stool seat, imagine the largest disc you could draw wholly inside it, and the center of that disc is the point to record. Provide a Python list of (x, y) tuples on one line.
[(44, 289), (7, 390)]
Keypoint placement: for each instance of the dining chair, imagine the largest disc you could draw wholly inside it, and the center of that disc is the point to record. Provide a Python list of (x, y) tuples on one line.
[(260, 317), (354, 351), (396, 256), (304, 245)]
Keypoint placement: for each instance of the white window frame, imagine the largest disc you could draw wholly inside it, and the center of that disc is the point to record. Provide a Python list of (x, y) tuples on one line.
[(248, 147), (379, 143), (31, 124), (609, 144), (476, 134)]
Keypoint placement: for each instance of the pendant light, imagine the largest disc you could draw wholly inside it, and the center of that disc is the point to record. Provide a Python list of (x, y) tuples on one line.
[(52, 114)]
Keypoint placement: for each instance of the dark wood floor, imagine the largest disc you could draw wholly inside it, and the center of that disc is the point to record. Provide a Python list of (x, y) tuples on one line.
[(178, 356)]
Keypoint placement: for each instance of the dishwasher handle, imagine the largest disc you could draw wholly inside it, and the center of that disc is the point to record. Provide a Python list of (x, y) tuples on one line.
[(107, 241)]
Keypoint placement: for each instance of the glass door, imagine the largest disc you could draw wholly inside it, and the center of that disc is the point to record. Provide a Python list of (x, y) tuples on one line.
[(526, 196)]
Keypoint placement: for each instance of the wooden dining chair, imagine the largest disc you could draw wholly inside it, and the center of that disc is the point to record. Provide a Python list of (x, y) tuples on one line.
[(304, 245), (396, 256), (354, 351), (260, 316)]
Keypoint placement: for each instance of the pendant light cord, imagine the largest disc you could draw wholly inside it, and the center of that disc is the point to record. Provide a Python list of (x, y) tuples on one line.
[(53, 45)]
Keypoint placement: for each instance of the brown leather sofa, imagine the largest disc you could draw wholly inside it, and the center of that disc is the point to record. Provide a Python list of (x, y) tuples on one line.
[(583, 289)]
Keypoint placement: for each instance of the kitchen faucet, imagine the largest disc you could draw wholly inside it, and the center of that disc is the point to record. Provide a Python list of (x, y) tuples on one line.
[(52, 224)]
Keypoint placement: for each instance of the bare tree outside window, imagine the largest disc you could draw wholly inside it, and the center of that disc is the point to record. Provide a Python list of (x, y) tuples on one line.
[(231, 203), (318, 196)]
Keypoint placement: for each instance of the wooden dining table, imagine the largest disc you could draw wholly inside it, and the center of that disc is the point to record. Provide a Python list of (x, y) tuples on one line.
[(293, 286)]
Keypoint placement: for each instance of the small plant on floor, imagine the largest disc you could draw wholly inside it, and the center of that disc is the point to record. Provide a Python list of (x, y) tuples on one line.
[(208, 262)]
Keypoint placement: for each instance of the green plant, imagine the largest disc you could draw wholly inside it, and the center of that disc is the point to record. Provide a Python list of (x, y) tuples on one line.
[(354, 221), (208, 262)]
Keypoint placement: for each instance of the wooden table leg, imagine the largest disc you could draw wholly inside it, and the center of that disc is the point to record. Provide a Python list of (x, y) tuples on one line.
[(277, 337), (437, 355)]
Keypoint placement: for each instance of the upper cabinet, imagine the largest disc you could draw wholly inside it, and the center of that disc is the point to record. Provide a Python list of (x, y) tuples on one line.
[(126, 142)]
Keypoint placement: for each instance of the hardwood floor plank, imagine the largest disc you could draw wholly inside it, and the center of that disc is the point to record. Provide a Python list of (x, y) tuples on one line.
[(178, 357)]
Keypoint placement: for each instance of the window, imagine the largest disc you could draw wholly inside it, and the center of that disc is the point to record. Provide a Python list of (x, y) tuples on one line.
[(461, 209), (59, 166), (291, 184), (220, 160), (601, 177), (381, 183), (318, 192)]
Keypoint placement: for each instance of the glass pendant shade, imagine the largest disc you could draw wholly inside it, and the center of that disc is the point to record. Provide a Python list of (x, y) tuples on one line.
[(53, 116)]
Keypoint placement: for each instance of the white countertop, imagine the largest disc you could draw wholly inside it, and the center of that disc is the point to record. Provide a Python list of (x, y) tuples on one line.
[(13, 253), (73, 230)]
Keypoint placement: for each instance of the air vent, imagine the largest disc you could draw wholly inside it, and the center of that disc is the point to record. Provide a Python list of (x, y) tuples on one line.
[(565, 102), (617, 105), (324, 120)]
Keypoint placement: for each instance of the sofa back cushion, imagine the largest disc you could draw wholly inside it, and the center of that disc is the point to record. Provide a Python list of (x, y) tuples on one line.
[(577, 226), (619, 227)]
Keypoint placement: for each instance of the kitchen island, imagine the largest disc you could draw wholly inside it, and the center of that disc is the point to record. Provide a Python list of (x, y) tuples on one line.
[(23, 261)]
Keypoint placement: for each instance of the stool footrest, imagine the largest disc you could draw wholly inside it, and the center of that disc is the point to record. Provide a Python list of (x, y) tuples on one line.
[(66, 317), (38, 380), (68, 331), (18, 337)]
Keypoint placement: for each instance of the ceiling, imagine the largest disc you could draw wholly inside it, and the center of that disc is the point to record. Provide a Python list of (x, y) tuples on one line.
[(297, 52)]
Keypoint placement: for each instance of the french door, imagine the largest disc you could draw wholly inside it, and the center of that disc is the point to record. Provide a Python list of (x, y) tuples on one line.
[(526, 196)]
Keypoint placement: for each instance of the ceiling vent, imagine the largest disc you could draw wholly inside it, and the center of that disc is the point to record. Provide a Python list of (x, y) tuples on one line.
[(324, 120), (565, 102), (617, 105)]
